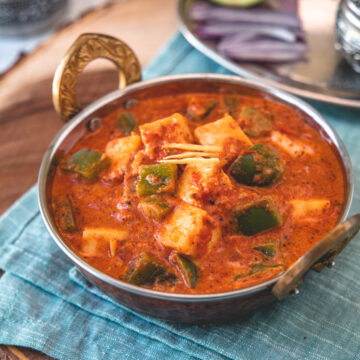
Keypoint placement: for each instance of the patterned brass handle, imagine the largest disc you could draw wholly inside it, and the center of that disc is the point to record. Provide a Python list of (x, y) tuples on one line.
[(336, 240), (86, 48)]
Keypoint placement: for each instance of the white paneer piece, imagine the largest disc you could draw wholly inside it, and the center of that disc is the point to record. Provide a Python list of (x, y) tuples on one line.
[(185, 228), (225, 133), (173, 129), (96, 241), (202, 178), (220, 131), (311, 208), (292, 147), (121, 151)]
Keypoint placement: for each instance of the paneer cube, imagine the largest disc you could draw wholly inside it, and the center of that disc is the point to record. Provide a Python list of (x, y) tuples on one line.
[(120, 151), (97, 241), (185, 229), (200, 182), (292, 147), (220, 131), (173, 129), (311, 208), (226, 133)]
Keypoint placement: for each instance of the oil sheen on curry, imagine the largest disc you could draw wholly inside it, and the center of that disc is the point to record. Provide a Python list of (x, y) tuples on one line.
[(197, 193)]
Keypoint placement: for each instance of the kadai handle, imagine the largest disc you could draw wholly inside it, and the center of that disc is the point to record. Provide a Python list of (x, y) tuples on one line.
[(85, 49), (322, 253)]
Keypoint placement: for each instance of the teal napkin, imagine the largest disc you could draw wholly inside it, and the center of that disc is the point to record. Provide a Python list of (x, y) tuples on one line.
[(47, 305)]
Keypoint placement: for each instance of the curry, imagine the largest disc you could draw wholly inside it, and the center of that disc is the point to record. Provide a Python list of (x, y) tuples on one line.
[(197, 193)]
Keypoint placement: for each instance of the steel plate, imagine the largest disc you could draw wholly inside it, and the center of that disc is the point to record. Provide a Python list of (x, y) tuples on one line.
[(324, 76)]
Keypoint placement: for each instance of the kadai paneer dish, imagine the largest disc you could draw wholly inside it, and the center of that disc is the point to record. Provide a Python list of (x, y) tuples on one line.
[(197, 193)]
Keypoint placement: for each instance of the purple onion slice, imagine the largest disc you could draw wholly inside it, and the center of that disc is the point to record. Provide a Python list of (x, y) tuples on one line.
[(203, 11), (246, 31), (262, 50)]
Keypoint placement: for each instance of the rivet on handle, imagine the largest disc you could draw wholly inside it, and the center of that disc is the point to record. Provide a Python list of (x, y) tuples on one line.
[(295, 292)]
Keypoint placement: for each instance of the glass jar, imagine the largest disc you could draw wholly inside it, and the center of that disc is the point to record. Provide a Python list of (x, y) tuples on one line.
[(348, 31), (23, 17)]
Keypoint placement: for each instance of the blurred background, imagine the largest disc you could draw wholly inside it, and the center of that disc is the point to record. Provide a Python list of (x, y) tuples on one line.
[(24, 24), (31, 47)]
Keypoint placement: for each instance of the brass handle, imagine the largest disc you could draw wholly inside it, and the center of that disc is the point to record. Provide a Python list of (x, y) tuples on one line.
[(85, 49), (336, 240)]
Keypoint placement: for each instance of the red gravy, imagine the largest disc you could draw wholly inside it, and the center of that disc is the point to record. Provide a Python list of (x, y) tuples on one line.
[(231, 261)]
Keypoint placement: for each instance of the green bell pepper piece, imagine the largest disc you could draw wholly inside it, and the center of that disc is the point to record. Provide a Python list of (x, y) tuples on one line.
[(66, 217), (268, 249), (187, 268), (126, 122), (258, 268), (232, 104), (169, 278), (86, 163), (157, 179), (257, 124), (258, 216), (210, 106), (155, 207), (261, 165), (197, 112), (144, 270)]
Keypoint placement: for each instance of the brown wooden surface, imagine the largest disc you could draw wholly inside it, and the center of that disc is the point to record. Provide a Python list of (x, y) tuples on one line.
[(27, 124), (27, 128), (27, 119)]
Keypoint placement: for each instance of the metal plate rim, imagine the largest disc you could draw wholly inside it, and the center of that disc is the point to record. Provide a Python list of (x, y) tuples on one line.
[(239, 70)]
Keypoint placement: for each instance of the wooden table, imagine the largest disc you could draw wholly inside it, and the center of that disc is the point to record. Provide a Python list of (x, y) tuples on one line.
[(27, 119)]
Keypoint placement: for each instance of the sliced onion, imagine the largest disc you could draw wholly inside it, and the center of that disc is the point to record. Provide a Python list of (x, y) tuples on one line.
[(262, 50), (203, 11), (246, 31)]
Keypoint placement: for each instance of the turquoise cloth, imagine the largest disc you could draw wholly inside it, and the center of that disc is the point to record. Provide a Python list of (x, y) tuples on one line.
[(47, 305)]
